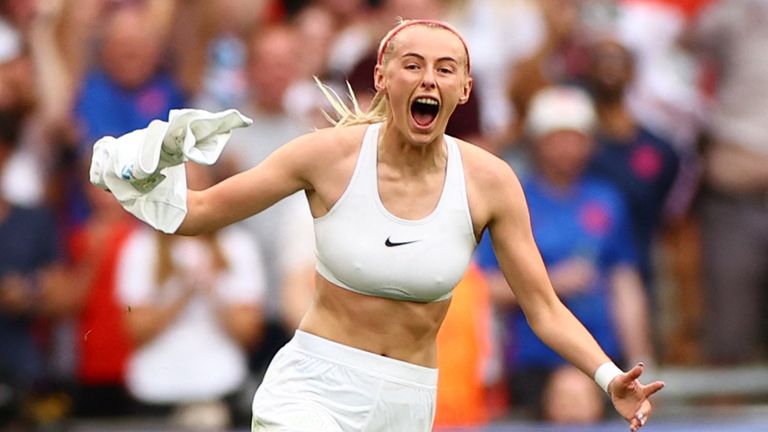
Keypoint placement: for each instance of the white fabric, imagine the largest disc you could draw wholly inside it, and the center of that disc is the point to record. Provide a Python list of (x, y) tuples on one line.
[(144, 168), (364, 248), (193, 359), (317, 385)]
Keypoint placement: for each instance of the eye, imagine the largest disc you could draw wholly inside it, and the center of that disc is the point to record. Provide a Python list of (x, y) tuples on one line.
[(445, 70), (412, 66)]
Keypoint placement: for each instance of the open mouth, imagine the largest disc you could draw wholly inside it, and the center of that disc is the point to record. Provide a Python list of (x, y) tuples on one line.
[(424, 111)]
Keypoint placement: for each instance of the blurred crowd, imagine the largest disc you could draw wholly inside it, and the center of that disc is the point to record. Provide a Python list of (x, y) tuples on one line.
[(637, 128)]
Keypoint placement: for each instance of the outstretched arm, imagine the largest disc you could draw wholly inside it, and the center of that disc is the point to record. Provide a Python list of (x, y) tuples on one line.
[(283, 173), (523, 268)]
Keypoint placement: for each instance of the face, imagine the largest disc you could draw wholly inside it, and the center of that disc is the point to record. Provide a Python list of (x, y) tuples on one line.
[(17, 87), (316, 30), (424, 78), (610, 68), (131, 52), (563, 155), (273, 66)]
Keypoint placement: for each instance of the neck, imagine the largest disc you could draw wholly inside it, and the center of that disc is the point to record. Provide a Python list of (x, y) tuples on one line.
[(559, 182), (397, 150), (616, 121), (558, 178)]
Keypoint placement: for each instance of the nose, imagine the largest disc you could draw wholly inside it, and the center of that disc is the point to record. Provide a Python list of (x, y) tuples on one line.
[(428, 79)]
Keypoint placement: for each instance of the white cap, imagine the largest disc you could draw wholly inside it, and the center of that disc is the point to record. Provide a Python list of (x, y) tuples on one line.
[(560, 108)]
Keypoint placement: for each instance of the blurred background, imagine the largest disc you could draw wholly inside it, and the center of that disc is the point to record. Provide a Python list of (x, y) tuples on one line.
[(638, 127)]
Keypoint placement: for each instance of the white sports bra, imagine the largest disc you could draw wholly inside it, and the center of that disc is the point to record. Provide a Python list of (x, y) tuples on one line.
[(364, 248)]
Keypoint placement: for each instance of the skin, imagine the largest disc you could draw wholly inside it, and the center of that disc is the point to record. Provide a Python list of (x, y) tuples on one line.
[(411, 172)]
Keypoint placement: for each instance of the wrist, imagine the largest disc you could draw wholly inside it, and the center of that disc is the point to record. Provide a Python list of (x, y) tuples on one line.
[(605, 373)]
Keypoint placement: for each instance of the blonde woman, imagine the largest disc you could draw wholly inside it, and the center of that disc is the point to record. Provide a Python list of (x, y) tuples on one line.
[(398, 208)]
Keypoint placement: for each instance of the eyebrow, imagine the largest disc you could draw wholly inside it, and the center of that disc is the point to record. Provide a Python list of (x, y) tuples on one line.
[(421, 57)]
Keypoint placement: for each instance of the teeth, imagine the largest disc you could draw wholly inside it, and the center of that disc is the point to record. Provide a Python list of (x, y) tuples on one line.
[(426, 101)]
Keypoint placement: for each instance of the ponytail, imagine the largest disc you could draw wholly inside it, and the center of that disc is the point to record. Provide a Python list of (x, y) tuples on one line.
[(346, 115)]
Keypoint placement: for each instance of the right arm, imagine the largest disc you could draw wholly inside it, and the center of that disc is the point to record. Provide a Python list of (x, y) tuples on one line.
[(284, 172)]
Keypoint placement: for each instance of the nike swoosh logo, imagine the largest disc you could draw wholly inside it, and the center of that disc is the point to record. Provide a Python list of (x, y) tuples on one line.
[(389, 243)]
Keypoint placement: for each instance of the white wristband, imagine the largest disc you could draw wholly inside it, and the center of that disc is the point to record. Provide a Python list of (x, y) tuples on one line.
[(605, 373)]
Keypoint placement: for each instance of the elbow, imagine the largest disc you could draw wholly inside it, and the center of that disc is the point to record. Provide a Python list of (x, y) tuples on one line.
[(245, 325), (187, 229), (192, 224)]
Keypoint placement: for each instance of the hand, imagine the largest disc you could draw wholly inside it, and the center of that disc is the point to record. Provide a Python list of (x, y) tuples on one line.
[(573, 276), (199, 281), (630, 397), (16, 296)]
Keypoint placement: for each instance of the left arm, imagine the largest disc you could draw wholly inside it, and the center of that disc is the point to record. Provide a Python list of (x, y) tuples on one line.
[(524, 271), (502, 206), (243, 322)]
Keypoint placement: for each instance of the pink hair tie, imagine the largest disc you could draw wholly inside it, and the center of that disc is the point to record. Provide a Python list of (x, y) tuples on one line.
[(385, 42)]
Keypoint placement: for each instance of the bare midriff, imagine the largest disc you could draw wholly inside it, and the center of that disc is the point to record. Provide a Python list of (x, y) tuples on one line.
[(402, 330)]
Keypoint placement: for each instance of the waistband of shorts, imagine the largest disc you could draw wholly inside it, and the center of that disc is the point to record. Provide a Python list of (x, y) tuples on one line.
[(371, 363)]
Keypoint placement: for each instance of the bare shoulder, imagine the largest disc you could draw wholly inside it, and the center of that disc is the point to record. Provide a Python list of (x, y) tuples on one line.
[(321, 150), (322, 147), (485, 170), (323, 161), (492, 185)]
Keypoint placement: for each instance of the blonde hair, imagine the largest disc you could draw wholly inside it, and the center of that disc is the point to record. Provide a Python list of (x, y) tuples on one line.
[(346, 115), (350, 113)]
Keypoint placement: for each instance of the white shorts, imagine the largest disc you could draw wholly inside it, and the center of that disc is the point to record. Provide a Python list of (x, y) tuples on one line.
[(314, 384)]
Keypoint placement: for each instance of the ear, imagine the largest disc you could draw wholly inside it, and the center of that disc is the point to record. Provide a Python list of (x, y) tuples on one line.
[(379, 81), (466, 90)]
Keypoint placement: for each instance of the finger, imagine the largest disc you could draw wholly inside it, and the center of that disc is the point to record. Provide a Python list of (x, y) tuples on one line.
[(641, 417), (635, 372), (652, 388)]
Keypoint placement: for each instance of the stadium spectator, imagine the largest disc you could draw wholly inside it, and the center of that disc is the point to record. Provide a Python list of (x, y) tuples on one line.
[(641, 164), (731, 37), (193, 308), (29, 249)]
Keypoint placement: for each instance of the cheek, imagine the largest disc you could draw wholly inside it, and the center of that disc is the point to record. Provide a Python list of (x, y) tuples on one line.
[(397, 88), (565, 154), (575, 153)]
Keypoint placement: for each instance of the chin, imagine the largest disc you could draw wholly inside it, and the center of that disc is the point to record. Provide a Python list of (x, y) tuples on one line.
[(423, 136)]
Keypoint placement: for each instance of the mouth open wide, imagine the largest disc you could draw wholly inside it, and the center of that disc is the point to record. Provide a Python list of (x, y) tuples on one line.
[(424, 111)]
